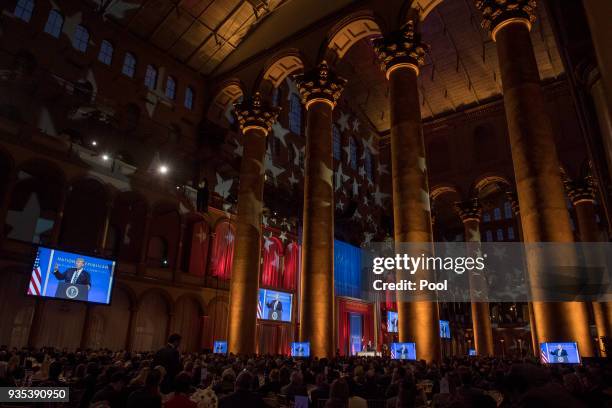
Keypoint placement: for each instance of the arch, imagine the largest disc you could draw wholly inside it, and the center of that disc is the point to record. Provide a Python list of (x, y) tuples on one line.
[(16, 310), (130, 209), (228, 92), (420, 7), (215, 323), (61, 323), (222, 255), (279, 67), (85, 214), (110, 319), (188, 321), (346, 33), (441, 189), (35, 201), (152, 319), (488, 179), (272, 254)]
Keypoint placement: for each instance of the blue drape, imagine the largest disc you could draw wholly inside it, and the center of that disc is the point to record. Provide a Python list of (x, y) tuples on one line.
[(347, 273)]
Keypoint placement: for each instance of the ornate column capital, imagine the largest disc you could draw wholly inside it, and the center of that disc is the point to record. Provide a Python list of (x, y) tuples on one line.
[(580, 191), (469, 210), (497, 14), (253, 113), (401, 49), (320, 84)]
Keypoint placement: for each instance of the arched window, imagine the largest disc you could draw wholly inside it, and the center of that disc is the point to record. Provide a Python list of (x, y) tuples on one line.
[(150, 79), (337, 143), (497, 214), (106, 52), (24, 10), (510, 234), (189, 98), (129, 65), (54, 24), (486, 217), (170, 88), (80, 40), (295, 114), (368, 163), (353, 151), (507, 210), (488, 236), (500, 234), (157, 252)]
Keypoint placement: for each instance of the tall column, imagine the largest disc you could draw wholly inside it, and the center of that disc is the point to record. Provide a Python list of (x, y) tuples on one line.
[(544, 216), (535, 345), (470, 213), (400, 54), (144, 249), (255, 119), (319, 89), (582, 195)]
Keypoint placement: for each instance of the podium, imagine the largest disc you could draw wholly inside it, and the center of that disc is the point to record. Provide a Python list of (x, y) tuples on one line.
[(72, 291)]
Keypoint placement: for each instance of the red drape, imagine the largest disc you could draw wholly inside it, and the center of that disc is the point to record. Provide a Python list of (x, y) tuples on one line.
[(223, 251), (274, 338), (199, 248), (346, 306), (272, 260), (292, 266)]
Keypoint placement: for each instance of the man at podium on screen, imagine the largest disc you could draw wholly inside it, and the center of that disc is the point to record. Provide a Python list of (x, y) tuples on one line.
[(275, 308), (76, 276), (559, 354)]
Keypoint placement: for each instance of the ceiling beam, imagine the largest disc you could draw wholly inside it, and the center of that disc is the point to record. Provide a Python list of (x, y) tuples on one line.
[(164, 20), (195, 19)]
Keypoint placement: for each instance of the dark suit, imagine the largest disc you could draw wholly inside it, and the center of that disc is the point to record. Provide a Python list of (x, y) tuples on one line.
[(275, 306), (560, 356), (170, 359), (83, 279)]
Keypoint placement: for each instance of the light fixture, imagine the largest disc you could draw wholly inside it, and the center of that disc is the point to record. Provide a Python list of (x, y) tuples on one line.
[(162, 169), (94, 143), (105, 157)]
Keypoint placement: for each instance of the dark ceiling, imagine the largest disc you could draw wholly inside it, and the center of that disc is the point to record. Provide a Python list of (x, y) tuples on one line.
[(461, 67)]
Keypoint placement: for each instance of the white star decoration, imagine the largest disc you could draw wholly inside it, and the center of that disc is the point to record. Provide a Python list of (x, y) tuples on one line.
[(421, 163), (283, 236), (369, 145), (362, 171), (382, 169), (356, 125), (223, 186), (229, 237), (379, 197), (340, 178), (340, 205), (347, 149), (239, 150), (292, 179), (367, 237), (280, 132), (201, 235), (267, 244), (119, 8), (343, 121), (356, 215), (271, 167), (27, 223), (425, 200), (355, 187), (365, 201)]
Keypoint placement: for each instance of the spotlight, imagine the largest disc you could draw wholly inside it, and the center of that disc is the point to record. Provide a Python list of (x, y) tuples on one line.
[(94, 143), (105, 157), (163, 169)]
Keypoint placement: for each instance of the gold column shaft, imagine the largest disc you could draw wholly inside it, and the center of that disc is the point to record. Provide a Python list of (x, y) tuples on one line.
[(245, 273), (544, 216), (317, 281), (418, 321)]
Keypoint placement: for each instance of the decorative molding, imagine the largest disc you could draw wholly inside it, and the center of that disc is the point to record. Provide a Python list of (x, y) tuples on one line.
[(320, 84), (498, 13), (252, 113), (402, 48)]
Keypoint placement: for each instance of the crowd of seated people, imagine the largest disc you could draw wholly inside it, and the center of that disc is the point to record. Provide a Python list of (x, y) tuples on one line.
[(171, 379)]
